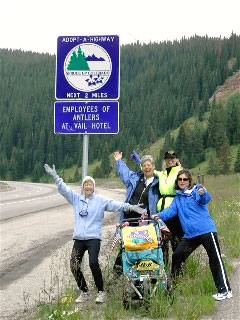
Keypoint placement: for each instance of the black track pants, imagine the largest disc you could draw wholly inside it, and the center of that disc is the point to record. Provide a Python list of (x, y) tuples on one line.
[(211, 245), (93, 248)]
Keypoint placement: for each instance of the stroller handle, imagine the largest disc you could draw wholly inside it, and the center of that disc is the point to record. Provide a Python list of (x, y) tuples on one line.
[(136, 220)]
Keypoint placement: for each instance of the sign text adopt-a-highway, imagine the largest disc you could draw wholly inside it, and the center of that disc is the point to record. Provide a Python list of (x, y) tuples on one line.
[(90, 117), (87, 68)]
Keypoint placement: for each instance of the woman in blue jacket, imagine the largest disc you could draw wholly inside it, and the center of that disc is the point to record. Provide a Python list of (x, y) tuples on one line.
[(190, 204), (141, 188), (88, 215)]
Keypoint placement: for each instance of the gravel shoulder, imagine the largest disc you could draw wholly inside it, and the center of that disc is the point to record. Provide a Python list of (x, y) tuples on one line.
[(35, 252)]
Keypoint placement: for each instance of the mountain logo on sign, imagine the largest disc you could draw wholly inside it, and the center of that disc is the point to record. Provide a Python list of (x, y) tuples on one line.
[(87, 67), (94, 58)]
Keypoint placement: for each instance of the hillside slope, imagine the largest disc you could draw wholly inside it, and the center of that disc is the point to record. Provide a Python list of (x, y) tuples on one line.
[(223, 94), (230, 86)]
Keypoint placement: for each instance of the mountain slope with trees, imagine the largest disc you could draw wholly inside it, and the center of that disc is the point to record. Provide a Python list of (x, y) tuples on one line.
[(162, 85)]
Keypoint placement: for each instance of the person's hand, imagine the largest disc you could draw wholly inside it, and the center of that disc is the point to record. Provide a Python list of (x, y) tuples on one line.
[(136, 208), (201, 190), (51, 171), (154, 216), (144, 215), (117, 156), (135, 157)]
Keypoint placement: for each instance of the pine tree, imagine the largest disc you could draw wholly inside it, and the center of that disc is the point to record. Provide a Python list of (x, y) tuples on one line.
[(183, 146), (180, 141), (216, 127), (197, 153), (97, 172), (41, 147), (167, 146), (4, 167), (76, 177), (232, 122), (225, 158), (37, 172), (237, 162), (184, 160), (105, 166), (213, 164)]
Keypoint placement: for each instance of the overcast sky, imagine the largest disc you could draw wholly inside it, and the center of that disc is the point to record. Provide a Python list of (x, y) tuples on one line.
[(35, 25)]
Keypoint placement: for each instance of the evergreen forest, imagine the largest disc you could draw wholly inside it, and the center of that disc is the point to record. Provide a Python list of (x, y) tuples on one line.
[(162, 85)]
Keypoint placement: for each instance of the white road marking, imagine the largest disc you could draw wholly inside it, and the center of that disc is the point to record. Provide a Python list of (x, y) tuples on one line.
[(27, 200)]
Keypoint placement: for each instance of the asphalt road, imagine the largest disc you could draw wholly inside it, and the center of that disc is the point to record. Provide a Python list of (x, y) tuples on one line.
[(24, 198)]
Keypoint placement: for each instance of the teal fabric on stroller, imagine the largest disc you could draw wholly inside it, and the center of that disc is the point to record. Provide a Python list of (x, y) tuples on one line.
[(132, 259), (139, 263)]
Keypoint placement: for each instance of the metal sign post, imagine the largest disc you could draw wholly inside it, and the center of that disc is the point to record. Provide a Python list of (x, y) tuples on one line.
[(85, 156)]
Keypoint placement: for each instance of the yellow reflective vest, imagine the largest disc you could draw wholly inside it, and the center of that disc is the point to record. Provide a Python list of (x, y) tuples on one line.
[(166, 187)]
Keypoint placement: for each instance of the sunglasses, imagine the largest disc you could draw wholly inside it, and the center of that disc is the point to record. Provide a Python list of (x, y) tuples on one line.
[(183, 179)]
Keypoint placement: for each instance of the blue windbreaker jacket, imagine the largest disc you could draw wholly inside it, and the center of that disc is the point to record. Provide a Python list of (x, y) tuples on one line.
[(192, 211), (88, 226), (130, 179)]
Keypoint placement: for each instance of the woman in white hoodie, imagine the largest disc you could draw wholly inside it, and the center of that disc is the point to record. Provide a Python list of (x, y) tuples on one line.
[(88, 215)]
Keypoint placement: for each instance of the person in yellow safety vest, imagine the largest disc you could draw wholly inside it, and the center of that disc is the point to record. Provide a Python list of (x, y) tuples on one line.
[(170, 168)]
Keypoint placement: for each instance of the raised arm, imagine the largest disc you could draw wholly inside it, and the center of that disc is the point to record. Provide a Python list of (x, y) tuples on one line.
[(122, 169), (63, 189)]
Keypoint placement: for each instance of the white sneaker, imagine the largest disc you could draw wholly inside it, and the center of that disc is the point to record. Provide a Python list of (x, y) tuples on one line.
[(223, 295), (84, 296), (101, 297)]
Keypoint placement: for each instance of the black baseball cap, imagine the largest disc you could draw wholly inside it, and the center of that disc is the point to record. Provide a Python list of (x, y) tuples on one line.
[(170, 154)]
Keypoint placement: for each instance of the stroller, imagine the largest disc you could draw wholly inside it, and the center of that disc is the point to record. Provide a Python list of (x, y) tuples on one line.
[(142, 257)]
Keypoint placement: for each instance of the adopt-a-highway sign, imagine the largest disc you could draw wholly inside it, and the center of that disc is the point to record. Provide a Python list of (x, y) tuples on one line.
[(86, 117), (87, 68)]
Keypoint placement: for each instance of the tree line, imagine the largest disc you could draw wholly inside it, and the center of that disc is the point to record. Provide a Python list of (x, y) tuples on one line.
[(162, 85)]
